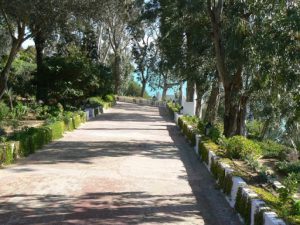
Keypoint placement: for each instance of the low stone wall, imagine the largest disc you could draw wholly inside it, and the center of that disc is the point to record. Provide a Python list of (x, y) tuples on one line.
[(141, 101), (251, 209)]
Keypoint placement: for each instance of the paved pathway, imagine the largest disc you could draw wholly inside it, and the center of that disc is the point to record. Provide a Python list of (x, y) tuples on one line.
[(129, 166)]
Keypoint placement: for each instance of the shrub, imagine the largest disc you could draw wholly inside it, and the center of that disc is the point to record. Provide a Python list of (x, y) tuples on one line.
[(239, 147), (254, 128), (224, 180), (201, 127), (180, 123), (82, 116), (191, 120), (95, 101), (6, 153), (175, 107), (271, 149), (288, 167), (57, 130), (19, 111), (4, 111), (110, 98), (68, 120), (216, 132), (31, 139), (204, 152), (76, 121)]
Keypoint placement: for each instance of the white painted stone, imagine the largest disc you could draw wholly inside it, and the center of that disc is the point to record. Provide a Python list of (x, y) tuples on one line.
[(224, 165), (256, 205), (277, 185), (87, 114), (91, 112), (198, 140), (211, 154), (236, 183), (271, 218), (228, 170), (176, 117)]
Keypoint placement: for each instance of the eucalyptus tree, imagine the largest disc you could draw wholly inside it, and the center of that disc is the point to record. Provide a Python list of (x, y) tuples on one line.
[(144, 51), (163, 78), (48, 16), (15, 15), (116, 15), (238, 30)]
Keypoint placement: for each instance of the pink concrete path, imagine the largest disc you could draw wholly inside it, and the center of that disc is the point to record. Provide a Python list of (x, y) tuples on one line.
[(129, 166)]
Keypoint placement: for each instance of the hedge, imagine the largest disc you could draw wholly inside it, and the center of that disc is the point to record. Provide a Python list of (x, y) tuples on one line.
[(29, 140), (243, 206), (6, 153), (57, 129), (76, 121)]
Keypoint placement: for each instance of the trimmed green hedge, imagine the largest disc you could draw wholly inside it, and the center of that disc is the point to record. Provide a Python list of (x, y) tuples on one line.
[(173, 108), (190, 133), (57, 129), (76, 121), (31, 139), (243, 206), (203, 152), (6, 153)]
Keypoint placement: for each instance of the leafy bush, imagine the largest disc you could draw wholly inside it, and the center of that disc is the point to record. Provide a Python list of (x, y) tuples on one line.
[(76, 121), (201, 127), (68, 120), (174, 107), (216, 132), (271, 149), (239, 147), (254, 128), (288, 167), (6, 153), (50, 112), (69, 79), (32, 139), (4, 111), (57, 130), (110, 98), (95, 101), (19, 111), (191, 120)]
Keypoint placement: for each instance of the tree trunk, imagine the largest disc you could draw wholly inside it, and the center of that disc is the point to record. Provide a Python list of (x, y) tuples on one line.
[(40, 41), (213, 103), (181, 92), (190, 90), (144, 82), (232, 103), (199, 103), (164, 93), (116, 73), (265, 128), (232, 83), (15, 47), (241, 117)]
